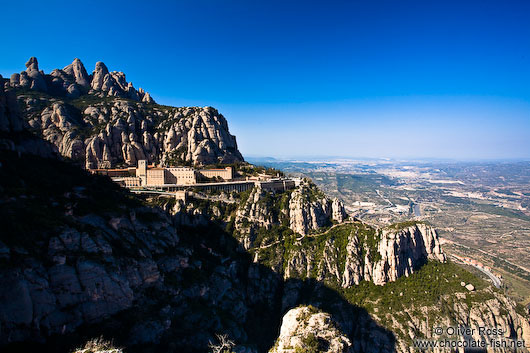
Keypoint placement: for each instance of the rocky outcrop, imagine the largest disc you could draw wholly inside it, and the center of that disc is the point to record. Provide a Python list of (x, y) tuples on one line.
[(310, 209), (366, 254), (304, 209), (254, 213), (13, 135), (32, 78), (102, 121), (73, 81), (493, 311), (307, 329), (102, 135)]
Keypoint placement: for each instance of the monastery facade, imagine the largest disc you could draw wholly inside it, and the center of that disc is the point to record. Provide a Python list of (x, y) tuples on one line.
[(149, 175)]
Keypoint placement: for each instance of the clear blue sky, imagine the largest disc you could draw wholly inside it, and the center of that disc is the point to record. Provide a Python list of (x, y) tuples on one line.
[(351, 78)]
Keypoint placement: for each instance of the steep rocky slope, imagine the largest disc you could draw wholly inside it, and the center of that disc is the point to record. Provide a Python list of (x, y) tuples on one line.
[(102, 121), (303, 210), (349, 254), (13, 135), (76, 250)]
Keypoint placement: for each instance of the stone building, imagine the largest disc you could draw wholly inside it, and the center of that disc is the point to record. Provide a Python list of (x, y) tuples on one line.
[(150, 175), (223, 173), (182, 175)]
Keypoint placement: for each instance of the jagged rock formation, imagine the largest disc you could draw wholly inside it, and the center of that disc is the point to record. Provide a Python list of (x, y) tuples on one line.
[(310, 209), (304, 209), (399, 252), (73, 81), (355, 252), (492, 310), (307, 329), (102, 121)]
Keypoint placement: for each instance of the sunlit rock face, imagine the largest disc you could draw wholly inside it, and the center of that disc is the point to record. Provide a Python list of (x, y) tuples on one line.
[(102, 121)]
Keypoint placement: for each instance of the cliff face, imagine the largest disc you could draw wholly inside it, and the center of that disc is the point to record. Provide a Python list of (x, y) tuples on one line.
[(13, 135), (310, 209), (303, 210), (351, 253), (102, 121)]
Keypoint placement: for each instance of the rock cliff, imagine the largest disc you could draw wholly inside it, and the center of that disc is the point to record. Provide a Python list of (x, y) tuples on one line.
[(13, 135), (310, 209), (303, 210), (350, 253), (102, 121)]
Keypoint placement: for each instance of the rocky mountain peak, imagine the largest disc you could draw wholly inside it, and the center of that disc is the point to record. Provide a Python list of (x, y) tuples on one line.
[(98, 76), (78, 71), (73, 81), (103, 121), (32, 64)]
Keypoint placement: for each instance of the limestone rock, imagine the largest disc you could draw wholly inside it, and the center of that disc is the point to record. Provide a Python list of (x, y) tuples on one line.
[(102, 135), (36, 77), (309, 209), (307, 329), (78, 71), (391, 253)]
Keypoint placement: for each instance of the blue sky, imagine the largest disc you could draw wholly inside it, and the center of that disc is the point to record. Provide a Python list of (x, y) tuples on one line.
[(403, 79)]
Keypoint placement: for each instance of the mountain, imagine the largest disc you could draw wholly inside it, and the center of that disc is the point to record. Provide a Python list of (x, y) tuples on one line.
[(82, 258), (102, 121)]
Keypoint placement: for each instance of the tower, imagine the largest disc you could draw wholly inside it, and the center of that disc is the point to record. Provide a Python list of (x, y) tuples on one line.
[(141, 171)]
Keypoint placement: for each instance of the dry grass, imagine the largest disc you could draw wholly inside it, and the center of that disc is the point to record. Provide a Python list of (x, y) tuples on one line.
[(98, 345)]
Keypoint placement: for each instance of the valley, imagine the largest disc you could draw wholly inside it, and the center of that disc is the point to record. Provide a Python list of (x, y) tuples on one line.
[(480, 209)]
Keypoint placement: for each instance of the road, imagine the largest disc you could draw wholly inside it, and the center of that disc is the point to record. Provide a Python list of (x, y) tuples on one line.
[(496, 280)]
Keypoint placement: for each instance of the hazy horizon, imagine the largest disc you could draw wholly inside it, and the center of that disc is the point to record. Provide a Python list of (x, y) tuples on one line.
[(331, 159), (411, 79)]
